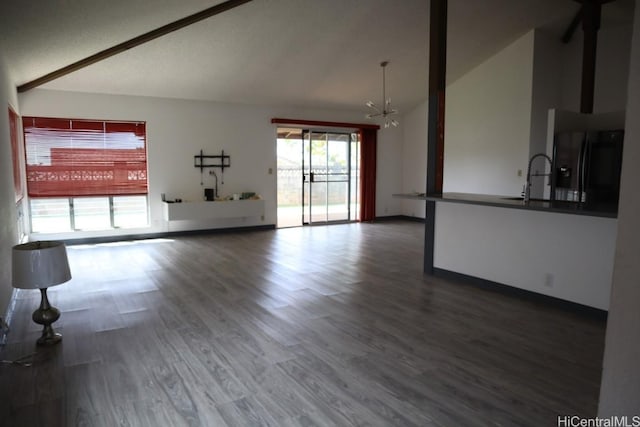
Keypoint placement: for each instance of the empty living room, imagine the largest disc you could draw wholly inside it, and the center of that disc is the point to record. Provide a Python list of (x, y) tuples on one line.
[(303, 213)]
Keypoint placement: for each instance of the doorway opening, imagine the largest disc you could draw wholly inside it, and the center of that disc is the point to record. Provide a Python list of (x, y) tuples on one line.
[(318, 177)]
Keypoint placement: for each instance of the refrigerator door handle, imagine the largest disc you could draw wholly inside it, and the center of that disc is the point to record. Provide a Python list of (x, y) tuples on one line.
[(582, 162)]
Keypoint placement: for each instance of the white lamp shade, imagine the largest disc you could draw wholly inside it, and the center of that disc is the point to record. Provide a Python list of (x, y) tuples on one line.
[(39, 265)]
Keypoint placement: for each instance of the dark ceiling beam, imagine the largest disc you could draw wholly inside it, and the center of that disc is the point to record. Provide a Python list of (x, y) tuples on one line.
[(568, 34), (437, 88), (134, 42), (590, 13)]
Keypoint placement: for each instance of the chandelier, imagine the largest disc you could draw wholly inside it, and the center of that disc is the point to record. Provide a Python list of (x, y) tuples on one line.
[(387, 110)]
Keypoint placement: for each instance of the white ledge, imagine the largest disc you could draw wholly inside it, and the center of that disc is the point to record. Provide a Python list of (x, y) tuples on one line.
[(191, 211)]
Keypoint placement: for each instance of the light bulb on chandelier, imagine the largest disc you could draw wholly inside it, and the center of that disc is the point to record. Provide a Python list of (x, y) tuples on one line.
[(387, 110)]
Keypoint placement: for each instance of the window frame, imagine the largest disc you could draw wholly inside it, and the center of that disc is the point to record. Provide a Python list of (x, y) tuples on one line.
[(83, 157), (70, 202), (89, 159)]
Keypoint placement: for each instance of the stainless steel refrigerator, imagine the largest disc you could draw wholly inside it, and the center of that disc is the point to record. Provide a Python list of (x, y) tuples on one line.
[(587, 166)]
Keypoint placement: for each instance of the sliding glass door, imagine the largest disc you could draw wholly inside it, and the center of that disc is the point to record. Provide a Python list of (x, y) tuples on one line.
[(326, 166), (329, 174)]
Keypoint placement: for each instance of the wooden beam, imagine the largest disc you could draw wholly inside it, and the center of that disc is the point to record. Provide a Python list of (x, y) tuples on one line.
[(590, 14), (591, 11), (568, 34), (437, 86), (136, 41), (435, 142)]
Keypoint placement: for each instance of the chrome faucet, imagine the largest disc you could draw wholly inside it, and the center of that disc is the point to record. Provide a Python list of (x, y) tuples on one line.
[(527, 190)]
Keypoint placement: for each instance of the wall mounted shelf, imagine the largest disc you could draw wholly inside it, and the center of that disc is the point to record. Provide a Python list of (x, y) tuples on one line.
[(198, 211)]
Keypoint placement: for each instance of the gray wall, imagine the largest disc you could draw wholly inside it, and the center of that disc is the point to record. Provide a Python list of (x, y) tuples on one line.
[(620, 388)]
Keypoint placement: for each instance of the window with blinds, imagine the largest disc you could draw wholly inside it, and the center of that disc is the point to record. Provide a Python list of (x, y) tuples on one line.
[(85, 174), (84, 158)]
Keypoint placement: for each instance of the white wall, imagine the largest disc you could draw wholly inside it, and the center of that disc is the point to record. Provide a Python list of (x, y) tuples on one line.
[(414, 158), (612, 70), (546, 94), (496, 115), (487, 123), (620, 388), (496, 118), (178, 129), (389, 168), (527, 249), (8, 213), (547, 69)]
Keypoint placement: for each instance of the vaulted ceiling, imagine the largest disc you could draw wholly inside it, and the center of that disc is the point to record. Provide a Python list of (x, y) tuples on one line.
[(319, 53)]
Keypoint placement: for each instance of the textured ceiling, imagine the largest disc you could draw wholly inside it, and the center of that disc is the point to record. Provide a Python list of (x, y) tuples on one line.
[(321, 53)]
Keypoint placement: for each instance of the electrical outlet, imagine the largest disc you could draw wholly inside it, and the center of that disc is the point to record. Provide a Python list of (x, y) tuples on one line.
[(548, 280), (262, 217), (270, 171), (519, 172)]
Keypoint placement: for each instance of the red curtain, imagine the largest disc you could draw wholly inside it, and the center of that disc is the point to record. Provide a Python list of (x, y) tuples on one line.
[(368, 149), (67, 158)]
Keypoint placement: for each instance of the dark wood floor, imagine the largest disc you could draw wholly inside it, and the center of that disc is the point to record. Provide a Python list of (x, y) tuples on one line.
[(296, 327)]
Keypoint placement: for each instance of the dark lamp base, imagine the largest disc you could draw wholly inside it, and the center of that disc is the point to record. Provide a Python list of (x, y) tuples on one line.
[(46, 315), (49, 339)]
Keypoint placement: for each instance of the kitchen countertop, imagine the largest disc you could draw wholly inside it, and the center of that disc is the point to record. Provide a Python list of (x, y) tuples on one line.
[(600, 210)]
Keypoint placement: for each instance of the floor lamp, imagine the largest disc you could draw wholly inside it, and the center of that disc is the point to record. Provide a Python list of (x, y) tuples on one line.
[(40, 265)]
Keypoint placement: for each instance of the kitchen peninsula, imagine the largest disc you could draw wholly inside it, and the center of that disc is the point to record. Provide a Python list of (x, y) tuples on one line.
[(599, 210), (558, 249)]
